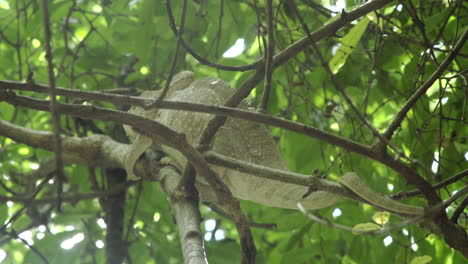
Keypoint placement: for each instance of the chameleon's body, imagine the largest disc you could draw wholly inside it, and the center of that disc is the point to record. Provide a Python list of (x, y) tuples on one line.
[(240, 139)]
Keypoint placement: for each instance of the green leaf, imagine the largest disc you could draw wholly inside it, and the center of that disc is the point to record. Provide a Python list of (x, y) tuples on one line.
[(348, 44), (421, 260), (3, 213), (365, 227)]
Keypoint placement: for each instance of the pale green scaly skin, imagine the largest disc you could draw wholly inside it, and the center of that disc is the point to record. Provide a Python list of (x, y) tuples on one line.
[(140, 142), (240, 139), (243, 140)]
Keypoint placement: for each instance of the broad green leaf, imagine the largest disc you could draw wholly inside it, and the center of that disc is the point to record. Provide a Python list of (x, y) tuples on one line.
[(421, 260), (365, 227), (381, 218), (348, 44)]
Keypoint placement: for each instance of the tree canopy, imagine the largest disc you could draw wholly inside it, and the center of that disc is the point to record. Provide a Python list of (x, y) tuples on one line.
[(376, 87)]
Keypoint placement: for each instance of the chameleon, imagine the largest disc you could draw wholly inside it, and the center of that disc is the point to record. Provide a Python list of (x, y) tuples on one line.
[(240, 139)]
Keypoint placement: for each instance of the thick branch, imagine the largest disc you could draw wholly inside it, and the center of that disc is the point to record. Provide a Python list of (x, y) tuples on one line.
[(165, 135), (314, 182), (69, 198), (114, 210), (283, 56), (187, 217), (95, 150), (210, 109), (410, 175)]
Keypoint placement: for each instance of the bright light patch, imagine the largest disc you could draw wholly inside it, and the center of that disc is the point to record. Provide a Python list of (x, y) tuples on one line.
[(97, 8), (18, 256), (4, 5), (399, 7), (2, 255), (40, 236), (36, 43), (69, 228), (235, 50), (439, 45), (99, 244), (156, 217), (336, 213), (139, 225), (81, 33), (466, 155), (54, 229), (335, 127), (414, 246), (71, 242), (387, 241), (9, 203), (51, 181), (41, 228), (170, 237), (339, 5), (27, 235), (210, 225), (144, 70), (444, 100), (101, 223), (41, 57), (335, 48), (405, 232), (390, 186), (435, 163), (34, 165), (219, 235), (132, 3), (208, 236)]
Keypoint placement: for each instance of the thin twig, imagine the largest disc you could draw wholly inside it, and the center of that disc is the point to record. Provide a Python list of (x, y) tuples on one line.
[(448, 181), (424, 87), (198, 57), (270, 49), (53, 101), (175, 57), (69, 198), (15, 235), (280, 58), (456, 214)]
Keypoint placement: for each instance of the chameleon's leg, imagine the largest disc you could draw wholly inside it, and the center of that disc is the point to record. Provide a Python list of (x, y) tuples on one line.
[(140, 145)]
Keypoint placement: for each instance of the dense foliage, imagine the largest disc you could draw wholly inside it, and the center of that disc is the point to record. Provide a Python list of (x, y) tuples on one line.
[(386, 75)]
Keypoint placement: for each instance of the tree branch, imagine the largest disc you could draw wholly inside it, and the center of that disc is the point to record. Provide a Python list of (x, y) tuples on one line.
[(187, 216), (424, 87), (270, 49), (279, 59), (53, 109), (165, 135), (95, 150)]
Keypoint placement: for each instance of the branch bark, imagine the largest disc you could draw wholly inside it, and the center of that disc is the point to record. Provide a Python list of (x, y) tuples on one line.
[(186, 214), (95, 150)]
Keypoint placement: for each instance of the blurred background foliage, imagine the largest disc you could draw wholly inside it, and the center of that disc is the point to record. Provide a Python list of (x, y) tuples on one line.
[(380, 60)]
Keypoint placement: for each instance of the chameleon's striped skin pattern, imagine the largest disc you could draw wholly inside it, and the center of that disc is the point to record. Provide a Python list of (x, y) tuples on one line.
[(243, 140)]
